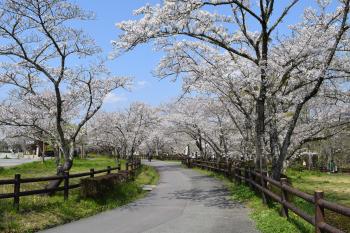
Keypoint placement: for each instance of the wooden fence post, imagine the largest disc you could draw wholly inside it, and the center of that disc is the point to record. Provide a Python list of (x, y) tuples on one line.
[(284, 197), (319, 211), (250, 178), (246, 176), (108, 169), (133, 169), (16, 191), (66, 185), (239, 175), (265, 197), (119, 167), (229, 170), (254, 178), (127, 166), (92, 172), (235, 173)]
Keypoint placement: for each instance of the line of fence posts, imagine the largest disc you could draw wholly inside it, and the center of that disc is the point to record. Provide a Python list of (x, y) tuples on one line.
[(250, 176), (130, 168)]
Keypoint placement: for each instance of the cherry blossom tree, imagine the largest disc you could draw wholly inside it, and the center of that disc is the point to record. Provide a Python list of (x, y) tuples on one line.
[(163, 139), (268, 81), (125, 130), (55, 81), (205, 122)]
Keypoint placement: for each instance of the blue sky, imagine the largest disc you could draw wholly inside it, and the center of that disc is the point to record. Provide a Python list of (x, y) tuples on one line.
[(141, 62), (138, 63)]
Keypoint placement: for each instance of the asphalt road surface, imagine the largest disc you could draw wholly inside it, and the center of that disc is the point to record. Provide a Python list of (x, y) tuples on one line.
[(15, 162), (184, 201)]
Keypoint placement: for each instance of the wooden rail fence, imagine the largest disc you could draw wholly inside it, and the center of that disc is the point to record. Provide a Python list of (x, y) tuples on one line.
[(261, 182), (129, 172)]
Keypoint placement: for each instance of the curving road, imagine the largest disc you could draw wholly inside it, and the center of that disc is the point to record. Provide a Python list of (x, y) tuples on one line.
[(15, 162), (183, 202)]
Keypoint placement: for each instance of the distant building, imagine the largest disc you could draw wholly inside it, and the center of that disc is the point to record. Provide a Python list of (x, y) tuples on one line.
[(309, 159)]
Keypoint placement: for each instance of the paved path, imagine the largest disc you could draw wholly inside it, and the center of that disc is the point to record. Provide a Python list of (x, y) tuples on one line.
[(183, 202), (15, 162)]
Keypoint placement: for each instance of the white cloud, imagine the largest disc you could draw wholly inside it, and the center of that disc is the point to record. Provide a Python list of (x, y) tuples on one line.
[(141, 84), (112, 98)]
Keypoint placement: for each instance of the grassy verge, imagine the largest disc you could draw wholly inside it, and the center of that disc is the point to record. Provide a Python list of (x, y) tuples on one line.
[(266, 218), (336, 188), (42, 212), (48, 168), (148, 175)]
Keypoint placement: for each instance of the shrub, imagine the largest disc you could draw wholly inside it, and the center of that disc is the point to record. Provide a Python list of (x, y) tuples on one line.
[(99, 186)]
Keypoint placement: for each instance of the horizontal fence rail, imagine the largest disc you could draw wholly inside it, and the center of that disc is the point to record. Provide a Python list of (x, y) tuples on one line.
[(263, 183), (129, 172)]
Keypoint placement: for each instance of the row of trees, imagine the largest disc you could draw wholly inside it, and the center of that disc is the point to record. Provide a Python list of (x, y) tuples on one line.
[(122, 133), (203, 124), (168, 128), (249, 91), (52, 74), (280, 91)]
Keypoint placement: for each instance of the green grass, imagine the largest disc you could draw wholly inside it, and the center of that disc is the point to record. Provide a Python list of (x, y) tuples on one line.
[(48, 168), (266, 217), (148, 176), (336, 188), (42, 212)]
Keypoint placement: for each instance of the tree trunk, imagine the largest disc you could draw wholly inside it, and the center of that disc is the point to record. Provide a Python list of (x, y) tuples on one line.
[(82, 152), (157, 151), (68, 153), (57, 156), (260, 102), (273, 135), (200, 147), (277, 169), (43, 152)]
